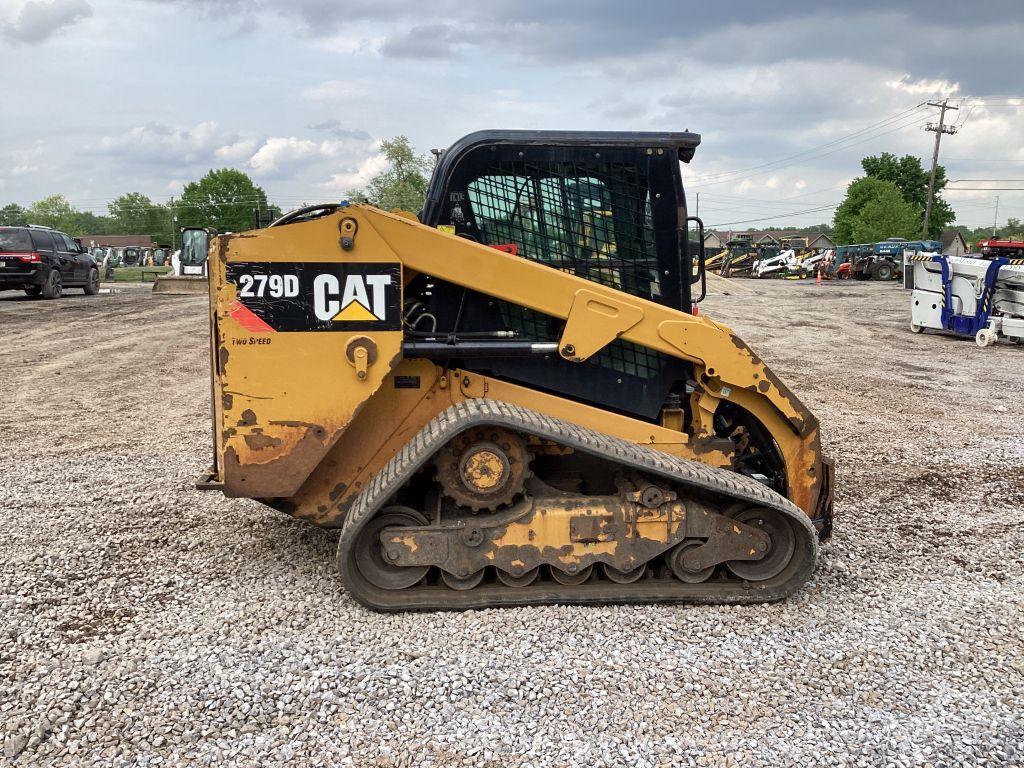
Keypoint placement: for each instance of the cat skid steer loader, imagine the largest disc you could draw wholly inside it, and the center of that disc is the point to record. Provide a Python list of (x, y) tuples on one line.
[(511, 399)]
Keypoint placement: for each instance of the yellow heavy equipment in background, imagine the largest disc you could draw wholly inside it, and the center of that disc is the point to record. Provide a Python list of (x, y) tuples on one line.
[(512, 400)]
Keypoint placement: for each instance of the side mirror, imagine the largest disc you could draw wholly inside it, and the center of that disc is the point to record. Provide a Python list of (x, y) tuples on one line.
[(694, 260)]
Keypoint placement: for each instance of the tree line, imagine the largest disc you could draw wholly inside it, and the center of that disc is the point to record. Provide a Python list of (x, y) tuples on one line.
[(226, 199), (889, 200)]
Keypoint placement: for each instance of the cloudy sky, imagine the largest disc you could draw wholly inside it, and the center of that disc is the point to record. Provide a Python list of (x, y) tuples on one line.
[(102, 97)]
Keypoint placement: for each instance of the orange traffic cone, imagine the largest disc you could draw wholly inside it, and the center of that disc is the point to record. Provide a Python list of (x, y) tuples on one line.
[(819, 277)]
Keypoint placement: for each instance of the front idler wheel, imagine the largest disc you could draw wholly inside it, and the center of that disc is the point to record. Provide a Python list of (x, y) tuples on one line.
[(372, 560), (780, 549)]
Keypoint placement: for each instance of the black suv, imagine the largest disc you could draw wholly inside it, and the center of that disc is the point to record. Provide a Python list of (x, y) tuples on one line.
[(42, 262)]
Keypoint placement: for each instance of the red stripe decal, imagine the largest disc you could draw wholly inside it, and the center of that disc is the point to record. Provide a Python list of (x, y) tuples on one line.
[(249, 320)]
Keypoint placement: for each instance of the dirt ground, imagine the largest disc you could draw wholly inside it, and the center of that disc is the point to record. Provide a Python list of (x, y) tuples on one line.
[(132, 603)]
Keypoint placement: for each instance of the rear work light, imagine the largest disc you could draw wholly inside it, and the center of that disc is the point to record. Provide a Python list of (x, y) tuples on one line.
[(30, 258)]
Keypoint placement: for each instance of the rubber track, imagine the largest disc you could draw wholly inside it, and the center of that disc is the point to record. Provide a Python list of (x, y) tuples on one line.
[(729, 486)]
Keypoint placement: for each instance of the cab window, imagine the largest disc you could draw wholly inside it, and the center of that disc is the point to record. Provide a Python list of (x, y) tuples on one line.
[(583, 224)]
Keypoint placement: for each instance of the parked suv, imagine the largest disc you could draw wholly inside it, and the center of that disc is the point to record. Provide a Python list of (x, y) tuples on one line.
[(43, 262)]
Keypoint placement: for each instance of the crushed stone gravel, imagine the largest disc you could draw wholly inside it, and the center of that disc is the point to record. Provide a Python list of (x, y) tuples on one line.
[(145, 623)]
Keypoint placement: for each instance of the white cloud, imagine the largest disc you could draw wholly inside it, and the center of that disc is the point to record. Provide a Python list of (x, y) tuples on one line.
[(285, 157), (351, 44), (236, 152), (39, 20), (346, 160), (159, 143), (357, 177), (278, 152), (924, 87)]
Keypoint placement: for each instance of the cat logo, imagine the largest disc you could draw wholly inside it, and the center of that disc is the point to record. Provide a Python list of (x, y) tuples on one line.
[(288, 296), (361, 300)]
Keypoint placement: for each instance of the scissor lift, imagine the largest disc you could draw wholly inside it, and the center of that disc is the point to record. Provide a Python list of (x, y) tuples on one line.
[(978, 298)]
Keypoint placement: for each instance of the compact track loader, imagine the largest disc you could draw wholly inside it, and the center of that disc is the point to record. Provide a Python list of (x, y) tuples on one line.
[(511, 399)]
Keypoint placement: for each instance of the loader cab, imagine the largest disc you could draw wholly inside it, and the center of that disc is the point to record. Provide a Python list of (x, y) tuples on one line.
[(604, 206), (195, 244)]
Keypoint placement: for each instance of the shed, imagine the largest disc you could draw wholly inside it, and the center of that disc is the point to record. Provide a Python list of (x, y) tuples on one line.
[(953, 242)]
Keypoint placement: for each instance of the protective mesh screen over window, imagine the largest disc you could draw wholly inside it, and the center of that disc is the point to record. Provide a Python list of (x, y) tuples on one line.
[(594, 223)]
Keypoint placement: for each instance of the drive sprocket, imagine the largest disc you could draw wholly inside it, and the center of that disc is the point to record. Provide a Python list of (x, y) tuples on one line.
[(483, 468)]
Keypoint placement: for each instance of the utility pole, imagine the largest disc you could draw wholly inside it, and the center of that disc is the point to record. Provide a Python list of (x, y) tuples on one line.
[(697, 212), (939, 129), (170, 206), (995, 219)]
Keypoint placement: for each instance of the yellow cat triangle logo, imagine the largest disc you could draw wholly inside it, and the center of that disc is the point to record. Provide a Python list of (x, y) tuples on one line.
[(357, 312)]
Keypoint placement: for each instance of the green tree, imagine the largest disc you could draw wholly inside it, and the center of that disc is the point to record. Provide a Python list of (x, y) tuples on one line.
[(88, 223), (135, 214), (911, 178), (1012, 230), (858, 194), (226, 200), (403, 184), (875, 210), (13, 215), (53, 211)]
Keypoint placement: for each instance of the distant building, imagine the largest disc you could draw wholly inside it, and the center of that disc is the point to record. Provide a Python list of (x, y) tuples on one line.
[(118, 241), (953, 243), (815, 240)]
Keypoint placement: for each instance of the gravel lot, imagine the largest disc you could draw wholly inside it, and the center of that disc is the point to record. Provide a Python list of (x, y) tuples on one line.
[(145, 623)]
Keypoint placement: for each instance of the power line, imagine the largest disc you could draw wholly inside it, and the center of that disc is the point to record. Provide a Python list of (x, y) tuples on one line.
[(784, 201), (914, 120), (774, 215), (982, 160), (729, 205), (722, 177)]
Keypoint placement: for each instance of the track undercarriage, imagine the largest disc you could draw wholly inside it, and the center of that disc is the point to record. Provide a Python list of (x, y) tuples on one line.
[(499, 505)]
